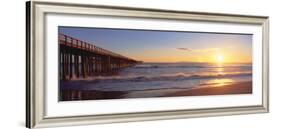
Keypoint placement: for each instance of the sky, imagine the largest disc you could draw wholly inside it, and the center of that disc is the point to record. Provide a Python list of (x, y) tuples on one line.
[(168, 46)]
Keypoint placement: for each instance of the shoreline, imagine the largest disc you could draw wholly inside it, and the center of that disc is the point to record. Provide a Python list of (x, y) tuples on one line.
[(234, 88)]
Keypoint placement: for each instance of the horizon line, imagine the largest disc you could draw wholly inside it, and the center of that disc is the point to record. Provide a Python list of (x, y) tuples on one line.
[(201, 62)]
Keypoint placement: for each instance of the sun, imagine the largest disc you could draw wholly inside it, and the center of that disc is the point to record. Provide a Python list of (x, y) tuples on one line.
[(219, 58)]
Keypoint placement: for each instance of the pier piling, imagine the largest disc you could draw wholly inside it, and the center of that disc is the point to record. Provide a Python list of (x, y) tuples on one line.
[(81, 59)]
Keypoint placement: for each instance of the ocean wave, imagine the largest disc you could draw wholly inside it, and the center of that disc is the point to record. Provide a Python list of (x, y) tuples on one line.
[(165, 77)]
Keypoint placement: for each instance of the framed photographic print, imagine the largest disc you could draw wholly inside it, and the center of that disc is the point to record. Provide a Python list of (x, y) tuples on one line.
[(89, 64)]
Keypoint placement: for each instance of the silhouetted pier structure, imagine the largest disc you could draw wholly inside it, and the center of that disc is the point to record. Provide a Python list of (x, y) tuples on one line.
[(80, 59)]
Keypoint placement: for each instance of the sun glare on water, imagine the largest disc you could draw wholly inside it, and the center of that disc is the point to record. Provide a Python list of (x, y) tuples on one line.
[(220, 82)]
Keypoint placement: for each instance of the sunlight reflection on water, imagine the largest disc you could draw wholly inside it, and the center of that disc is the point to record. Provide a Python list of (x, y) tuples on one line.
[(220, 82)]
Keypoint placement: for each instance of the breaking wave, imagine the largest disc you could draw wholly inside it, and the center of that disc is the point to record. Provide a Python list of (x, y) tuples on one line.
[(165, 77)]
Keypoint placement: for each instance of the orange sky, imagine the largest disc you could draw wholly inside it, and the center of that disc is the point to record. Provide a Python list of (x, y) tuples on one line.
[(224, 54), (169, 46)]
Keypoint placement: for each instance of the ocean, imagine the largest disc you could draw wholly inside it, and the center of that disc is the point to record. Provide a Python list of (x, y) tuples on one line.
[(165, 76)]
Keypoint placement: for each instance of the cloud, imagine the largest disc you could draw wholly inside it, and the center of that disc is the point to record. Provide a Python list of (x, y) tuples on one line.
[(184, 49), (199, 50)]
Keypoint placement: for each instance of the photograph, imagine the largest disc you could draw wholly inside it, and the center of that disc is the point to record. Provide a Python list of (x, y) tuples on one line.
[(110, 63)]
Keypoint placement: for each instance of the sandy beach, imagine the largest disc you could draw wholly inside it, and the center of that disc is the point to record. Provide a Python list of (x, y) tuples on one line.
[(234, 88)]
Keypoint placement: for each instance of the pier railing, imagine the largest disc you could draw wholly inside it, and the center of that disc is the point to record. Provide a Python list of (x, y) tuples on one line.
[(81, 59)]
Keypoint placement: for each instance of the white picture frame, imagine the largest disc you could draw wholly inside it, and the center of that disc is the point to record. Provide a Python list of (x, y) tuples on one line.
[(43, 110)]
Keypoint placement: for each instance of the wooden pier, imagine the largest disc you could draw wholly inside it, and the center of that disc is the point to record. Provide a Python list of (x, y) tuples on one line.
[(79, 59)]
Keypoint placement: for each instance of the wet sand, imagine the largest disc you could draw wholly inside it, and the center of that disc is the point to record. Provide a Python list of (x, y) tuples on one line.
[(234, 88), (72, 95)]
